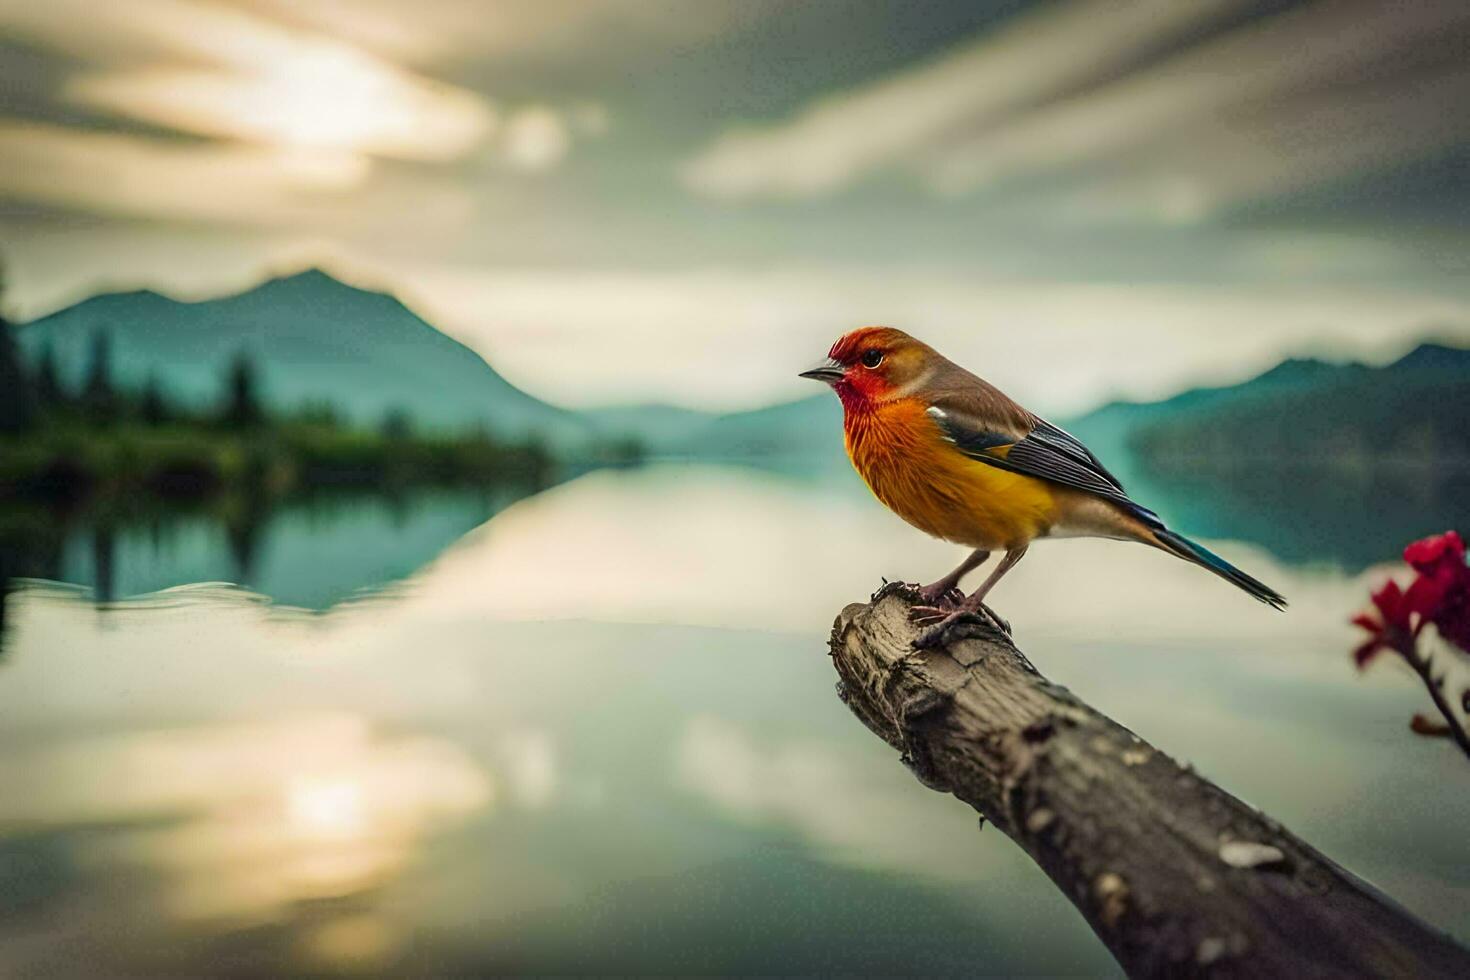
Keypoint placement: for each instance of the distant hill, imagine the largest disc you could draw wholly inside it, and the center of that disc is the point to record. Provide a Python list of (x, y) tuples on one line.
[(1304, 410), (661, 428), (315, 340), (1389, 405), (811, 428), (1111, 430), (319, 340), (1313, 460)]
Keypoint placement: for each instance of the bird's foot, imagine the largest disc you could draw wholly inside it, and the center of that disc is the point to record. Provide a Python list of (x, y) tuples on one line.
[(924, 614), (946, 621), (939, 595)]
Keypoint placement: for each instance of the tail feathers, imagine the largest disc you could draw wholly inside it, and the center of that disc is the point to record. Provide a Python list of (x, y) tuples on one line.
[(1200, 555)]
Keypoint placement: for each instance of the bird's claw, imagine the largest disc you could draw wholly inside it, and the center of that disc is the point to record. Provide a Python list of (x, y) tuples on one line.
[(929, 614), (941, 632), (940, 597)]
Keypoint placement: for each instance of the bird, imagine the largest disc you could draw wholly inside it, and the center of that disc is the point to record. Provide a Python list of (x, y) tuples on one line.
[(957, 458)]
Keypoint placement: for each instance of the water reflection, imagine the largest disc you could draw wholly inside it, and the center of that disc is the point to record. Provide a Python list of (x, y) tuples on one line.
[(597, 734), (1347, 516), (312, 551), (241, 821)]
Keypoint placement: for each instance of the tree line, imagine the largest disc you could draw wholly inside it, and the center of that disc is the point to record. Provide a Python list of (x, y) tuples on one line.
[(32, 396), (97, 437)]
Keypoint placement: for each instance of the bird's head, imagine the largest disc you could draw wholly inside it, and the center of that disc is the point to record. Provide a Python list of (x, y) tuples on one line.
[(874, 364)]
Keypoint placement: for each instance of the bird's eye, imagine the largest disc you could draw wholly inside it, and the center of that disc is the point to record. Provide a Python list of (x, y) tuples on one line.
[(872, 358)]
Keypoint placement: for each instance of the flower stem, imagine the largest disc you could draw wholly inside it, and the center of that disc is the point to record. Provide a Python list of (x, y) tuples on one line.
[(1421, 667)]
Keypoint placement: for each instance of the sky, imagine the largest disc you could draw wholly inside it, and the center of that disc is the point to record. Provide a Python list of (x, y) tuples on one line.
[(650, 200)]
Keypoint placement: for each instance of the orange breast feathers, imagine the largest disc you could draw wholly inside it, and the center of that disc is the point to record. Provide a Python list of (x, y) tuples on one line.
[(908, 464)]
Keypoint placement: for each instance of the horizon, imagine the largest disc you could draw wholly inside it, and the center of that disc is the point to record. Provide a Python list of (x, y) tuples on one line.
[(1387, 356)]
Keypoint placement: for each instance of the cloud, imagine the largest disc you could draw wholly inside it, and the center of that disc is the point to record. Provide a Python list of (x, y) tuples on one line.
[(324, 97), (296, 122), (536, 138), (1076, 109), (1292, 101), (843, 138), (124, 174), (215, 71), (147, 177), (448, 32)]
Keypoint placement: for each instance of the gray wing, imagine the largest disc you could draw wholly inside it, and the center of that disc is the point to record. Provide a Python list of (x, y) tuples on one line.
[(1047, 451)]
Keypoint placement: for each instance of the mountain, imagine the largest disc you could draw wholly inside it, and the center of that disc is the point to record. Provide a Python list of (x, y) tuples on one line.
[(802, 433), (1111, 430), (1312, 460), (662, 428), (1303, 388), (315, 340), (1305, 410), (809, 427)]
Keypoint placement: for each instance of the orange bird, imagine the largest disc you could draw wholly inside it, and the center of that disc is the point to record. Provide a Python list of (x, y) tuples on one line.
[(956, 458)]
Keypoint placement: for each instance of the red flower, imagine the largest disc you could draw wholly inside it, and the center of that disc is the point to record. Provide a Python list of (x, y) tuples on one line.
[(1390, 629), (1429, 553), (1439, 594)]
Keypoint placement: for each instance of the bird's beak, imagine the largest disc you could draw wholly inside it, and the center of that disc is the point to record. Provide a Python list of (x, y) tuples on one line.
[(828, 372)]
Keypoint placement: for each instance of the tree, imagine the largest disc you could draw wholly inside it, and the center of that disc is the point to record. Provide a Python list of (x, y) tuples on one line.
[(99, 397), (17, 400), (319, 412), (46, 381), (154, 406), (397, 424), (242, 393)]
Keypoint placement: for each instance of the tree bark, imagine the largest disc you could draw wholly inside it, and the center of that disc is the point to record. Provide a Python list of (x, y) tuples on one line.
[(1176, 876)]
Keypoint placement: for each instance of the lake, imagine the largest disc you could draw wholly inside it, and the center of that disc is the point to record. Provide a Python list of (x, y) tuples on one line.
[(595, 730)]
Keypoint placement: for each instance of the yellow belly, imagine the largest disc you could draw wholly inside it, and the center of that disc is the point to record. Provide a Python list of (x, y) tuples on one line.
[(923, 479)]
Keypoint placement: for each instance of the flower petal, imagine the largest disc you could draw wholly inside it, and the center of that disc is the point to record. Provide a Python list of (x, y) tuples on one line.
[(1366, 651), (1421, 725), (1427, 553)]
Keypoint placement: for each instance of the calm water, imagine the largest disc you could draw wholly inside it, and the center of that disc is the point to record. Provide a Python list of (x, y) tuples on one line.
[(598, 733)]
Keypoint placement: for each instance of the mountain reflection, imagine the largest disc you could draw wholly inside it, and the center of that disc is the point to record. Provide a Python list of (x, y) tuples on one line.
[(1312, 514), (312, 552), (315, 551)]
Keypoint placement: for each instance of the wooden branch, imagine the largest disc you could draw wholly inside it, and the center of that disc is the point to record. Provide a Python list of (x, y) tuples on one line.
[(1176, 876)]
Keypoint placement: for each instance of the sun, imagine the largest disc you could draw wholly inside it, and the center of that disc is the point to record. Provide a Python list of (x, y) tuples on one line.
[(317, 95), (326, 806)]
